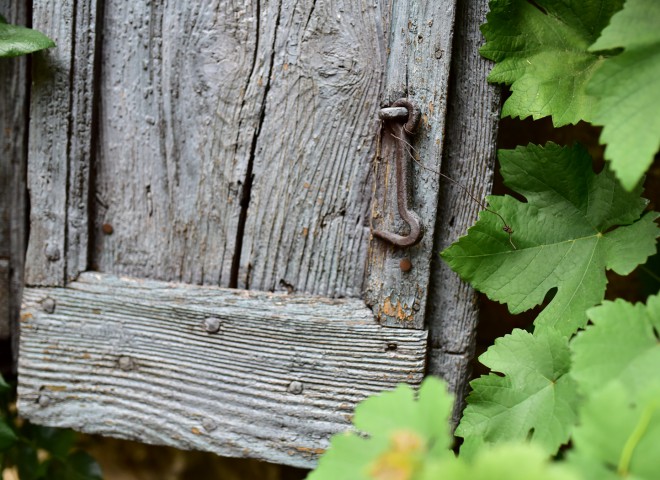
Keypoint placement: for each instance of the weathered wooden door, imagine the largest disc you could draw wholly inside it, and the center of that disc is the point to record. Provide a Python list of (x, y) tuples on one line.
[(203, 181)]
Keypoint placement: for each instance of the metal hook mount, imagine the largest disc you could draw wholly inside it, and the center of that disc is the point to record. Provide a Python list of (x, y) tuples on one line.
[(402, 119)]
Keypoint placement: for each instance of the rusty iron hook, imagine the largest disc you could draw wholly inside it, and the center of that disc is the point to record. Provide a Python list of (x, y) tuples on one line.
[(401, 132)]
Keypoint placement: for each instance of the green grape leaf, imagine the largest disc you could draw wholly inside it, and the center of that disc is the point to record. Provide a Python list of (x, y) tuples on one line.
[(536, 399), (57, 441), (622, 344), (501, 462), (381, 415), (402, 434), (76, 466), (26, 459), (619, 434), (7, 436), (541, 50), (628, 90), (574, 226), (16, 40), (349, 456)]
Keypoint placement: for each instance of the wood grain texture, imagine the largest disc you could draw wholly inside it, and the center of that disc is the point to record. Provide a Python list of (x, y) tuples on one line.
[(181, 87), (307, 225), (235, 147), (469, 158), (60, 140), (13, 158), (417, 68), (83, 131), (131, 358), (240, 129)]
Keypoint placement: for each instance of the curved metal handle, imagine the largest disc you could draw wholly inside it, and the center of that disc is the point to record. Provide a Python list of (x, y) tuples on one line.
[(401, 132)]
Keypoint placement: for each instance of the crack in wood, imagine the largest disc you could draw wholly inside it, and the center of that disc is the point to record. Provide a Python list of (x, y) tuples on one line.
[(249, 177)]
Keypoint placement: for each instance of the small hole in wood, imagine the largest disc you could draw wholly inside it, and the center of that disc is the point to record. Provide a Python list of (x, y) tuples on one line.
[(391, 347)]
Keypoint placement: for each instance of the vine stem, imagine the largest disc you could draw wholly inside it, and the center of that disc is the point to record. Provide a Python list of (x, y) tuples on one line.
[(506, 226), (650, 273), (635, 437)]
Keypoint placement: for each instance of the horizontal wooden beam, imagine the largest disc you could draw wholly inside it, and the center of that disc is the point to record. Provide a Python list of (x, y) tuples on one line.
[(238, 373)]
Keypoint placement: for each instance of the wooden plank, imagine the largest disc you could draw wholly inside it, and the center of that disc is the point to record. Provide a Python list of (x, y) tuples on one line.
[(60, 139), (469, 158), (13, 157), (48, 140), (256, 161), (307, 225), (133, 359), (82, 136), (417, 68), (182, 86)]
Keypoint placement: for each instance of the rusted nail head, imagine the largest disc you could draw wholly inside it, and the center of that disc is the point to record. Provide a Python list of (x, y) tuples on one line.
[(48, 304), (391, 346), (212, 324), (405, 264), (107, 229), (295, 387)]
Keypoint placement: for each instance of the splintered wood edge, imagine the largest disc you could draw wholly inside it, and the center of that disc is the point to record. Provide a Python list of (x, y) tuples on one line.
[(139, 359)]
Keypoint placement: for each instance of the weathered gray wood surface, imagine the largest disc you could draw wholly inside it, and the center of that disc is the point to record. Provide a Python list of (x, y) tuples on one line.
[(417, 68), (469, 158), (60, 142), (238, 130), (132, 358), (176, 126), (13, 157), (233, 145), (307, 227)]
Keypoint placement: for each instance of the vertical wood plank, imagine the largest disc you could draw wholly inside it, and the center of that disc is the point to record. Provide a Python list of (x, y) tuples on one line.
[(182, 87), (82, 136), (469, 158), (417, 68), (61, 113), (307, 224), (13, 156), (252, 169), (48, 140)]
